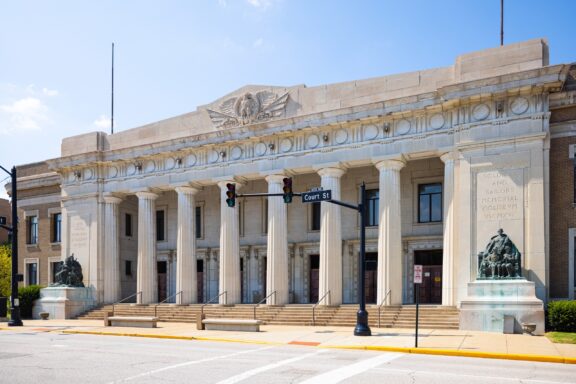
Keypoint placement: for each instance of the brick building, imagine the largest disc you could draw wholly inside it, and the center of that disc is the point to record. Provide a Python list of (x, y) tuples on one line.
[(5, 211)]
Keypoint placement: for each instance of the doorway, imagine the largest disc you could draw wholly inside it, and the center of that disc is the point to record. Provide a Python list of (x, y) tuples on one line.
[(162, 280), (200, 281), (314, 278), (370, 282), (431, 287)]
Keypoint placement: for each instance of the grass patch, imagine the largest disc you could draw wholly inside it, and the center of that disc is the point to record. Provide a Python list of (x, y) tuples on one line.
[(562, 337)]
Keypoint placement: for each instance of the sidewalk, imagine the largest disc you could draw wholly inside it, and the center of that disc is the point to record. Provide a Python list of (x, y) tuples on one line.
[(440, 342)]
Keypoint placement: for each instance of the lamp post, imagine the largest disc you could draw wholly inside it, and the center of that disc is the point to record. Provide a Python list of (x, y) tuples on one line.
[(362, 328), (15, 320)]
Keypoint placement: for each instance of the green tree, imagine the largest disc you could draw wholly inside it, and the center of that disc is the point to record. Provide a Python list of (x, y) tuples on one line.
[(5, 270)]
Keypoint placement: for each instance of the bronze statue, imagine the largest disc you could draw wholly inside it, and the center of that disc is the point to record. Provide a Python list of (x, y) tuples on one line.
[(500, 259), (70, 274)]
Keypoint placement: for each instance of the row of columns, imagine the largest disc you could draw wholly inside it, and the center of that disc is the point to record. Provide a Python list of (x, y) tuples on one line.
[(389, 281)]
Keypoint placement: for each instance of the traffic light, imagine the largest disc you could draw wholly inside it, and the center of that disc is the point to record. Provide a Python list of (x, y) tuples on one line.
[(287, 189), (231, 194)]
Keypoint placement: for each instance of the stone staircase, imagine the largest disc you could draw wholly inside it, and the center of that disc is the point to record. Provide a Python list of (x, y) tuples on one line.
[(435, 317)]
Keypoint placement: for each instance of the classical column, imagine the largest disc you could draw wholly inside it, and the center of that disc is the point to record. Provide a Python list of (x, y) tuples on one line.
[(390, 233), (330, 278), (448, 248), (112, 289), (277, 252), (229, 249), (186, 278), (147, 279)]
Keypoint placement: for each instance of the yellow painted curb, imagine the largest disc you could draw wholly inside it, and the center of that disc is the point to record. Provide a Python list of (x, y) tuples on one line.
[(422, 351)]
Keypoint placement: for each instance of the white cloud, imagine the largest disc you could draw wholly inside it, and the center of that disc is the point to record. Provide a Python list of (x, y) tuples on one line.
[(50, 92), (258, 42), (27, 114), (102, 122), (223, 3), (261, 4)]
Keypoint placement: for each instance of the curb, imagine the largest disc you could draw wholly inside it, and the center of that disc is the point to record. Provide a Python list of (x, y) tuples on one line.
[(420, 351)]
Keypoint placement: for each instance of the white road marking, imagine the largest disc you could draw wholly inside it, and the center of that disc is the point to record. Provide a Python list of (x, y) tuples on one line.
[(470, 376), (252, 372), (189, 363), (340, 374)]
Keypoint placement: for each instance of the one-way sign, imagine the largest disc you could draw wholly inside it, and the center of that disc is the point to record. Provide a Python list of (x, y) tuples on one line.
[(314, 196)]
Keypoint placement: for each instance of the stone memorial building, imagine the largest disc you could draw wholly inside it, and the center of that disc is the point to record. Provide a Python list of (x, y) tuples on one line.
[(449, 155)]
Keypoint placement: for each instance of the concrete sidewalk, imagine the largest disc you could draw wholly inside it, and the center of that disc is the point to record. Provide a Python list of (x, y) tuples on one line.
[(441, 342)]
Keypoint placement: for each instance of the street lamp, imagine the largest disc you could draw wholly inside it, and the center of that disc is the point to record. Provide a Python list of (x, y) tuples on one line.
[(362, 328), (15, 320)]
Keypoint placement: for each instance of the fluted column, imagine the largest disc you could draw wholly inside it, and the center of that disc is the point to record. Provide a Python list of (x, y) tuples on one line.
[(147, 279), (277, 252), (330, 278), (390, 233), (186, 278), (112, 289), (229, 249), (448, 248)]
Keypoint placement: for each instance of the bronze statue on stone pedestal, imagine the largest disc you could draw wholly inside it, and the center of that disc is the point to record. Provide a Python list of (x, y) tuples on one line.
[(70, 274), (500, 259)]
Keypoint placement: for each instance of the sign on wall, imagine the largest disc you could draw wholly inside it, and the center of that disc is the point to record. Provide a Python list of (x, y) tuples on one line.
[(417, 274)]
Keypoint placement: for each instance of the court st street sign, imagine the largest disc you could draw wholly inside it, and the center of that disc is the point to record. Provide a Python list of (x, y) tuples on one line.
[(314, 196)]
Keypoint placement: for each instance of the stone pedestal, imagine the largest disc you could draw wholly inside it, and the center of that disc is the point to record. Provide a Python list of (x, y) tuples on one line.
[(489, 302), (64, 302)]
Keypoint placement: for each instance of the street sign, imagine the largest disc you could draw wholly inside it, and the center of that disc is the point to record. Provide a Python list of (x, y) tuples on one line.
[(417, 274), (2, 220), (314, 196)]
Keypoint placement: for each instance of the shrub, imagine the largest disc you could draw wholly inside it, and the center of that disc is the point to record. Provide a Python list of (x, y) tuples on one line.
[(27, 295), (562, 316)]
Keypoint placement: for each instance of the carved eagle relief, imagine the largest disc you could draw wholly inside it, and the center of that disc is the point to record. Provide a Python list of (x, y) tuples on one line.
[(249, 108)]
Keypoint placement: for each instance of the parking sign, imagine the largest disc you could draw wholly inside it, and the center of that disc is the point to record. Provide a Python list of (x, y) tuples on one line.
[(417, 274)]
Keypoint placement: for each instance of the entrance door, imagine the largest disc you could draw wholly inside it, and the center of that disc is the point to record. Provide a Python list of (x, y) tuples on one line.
[(200, 280), (431, 287), (162, 280), (314, 278), (371, 263), (242, 280)]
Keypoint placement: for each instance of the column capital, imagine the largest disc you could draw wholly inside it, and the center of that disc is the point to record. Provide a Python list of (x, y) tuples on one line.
[(331, 171), (221, 182), (449, 156), (146, 195), (395, 164), (110, 198), (276, 178), (186, 190)]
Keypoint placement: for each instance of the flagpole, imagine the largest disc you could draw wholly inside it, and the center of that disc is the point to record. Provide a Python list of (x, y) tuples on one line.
[(112, 106)]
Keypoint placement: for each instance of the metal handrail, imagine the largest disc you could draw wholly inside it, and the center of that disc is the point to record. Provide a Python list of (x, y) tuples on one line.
[(263, 300), (124, 299), (225, 293), (318, 303), (381, 304), (165, 300)]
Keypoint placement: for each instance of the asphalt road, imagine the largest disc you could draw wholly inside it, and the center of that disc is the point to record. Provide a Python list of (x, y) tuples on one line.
[(58, 358)]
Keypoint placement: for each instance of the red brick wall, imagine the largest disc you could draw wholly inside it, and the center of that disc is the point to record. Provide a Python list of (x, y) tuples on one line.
[(562, 213), (6, 211)]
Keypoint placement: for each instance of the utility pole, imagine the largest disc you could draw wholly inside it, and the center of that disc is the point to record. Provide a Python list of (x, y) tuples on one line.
[(15, 320)]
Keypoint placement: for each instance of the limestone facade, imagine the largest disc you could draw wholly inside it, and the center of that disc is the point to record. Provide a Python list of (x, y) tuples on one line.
[(144, 210)]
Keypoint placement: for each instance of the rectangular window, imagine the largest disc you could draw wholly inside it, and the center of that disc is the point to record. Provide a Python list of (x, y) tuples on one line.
[(372, 199), (56, 228), (32, 273), (315, 217), (32, 230), (128, 225), (128, 267), (430, 203), (54, 269), (198, 222), (160, 220)]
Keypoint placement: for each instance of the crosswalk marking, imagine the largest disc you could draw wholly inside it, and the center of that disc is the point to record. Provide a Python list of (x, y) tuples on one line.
[(255, 371), (340, 374)]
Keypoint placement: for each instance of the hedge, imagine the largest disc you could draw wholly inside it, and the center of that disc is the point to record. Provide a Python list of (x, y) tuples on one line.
[(562, 316), (27, 295)]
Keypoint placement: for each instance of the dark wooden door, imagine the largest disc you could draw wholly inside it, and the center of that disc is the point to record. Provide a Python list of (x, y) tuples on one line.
[(200, 280), (314, 278), (370, 282), (242, 280), (162, 280), (431, 287)]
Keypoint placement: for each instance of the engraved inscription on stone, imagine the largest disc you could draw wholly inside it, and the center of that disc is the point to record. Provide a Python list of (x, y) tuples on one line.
[(78, 234), (500, 195)]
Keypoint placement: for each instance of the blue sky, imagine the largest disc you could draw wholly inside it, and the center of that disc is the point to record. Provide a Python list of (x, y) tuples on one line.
[(172, 56)]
